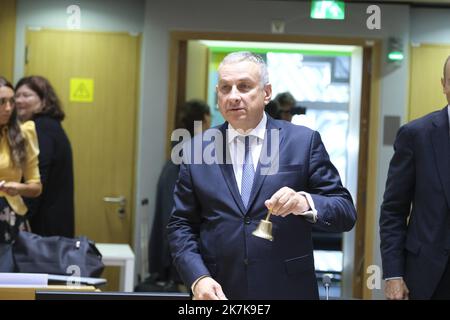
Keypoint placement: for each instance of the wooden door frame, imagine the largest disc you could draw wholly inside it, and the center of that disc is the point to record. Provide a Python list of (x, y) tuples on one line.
[(368, 137)]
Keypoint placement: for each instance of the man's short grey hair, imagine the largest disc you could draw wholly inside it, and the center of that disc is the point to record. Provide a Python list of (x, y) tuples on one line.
[(445, 65), (240, 56)]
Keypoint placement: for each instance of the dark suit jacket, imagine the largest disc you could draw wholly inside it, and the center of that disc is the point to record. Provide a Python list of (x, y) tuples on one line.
[(418, 189), (210, 231), (52, 213)]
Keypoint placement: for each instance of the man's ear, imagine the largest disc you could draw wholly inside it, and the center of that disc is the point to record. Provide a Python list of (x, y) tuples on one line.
[(267, 93), (443, 84)]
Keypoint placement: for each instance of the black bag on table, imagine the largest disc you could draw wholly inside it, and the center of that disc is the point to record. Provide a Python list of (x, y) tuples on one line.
[(56, 255)]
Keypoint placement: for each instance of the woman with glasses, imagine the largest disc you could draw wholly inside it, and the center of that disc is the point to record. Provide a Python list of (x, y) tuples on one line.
[(19, 172), (52, 213)]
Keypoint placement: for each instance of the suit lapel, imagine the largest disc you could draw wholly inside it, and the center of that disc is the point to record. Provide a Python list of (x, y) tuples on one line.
[(441, 147), (227, 168), (269, 150)]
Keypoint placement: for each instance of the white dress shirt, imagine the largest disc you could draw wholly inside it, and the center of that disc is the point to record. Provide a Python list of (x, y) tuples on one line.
[(448, 112), (236, 145)]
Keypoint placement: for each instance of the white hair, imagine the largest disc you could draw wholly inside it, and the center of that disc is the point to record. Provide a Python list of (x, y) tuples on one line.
[(240, 56)]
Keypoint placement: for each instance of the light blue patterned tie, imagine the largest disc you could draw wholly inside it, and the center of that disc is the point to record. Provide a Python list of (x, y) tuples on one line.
[(248, 174)]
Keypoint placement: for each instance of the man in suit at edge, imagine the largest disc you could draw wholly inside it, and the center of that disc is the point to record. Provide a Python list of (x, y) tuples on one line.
[(415, 214), (218, 206)]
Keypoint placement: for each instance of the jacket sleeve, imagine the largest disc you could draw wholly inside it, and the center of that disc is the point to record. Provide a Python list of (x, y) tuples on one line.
[(31, 168), (184, 230), (333, 202), (396, 205)]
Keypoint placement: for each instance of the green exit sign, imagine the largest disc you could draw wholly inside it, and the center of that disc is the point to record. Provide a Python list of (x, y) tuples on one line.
[(327, 9)]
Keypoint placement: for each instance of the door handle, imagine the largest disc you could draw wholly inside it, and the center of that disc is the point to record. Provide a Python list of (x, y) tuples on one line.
[(121, 201)]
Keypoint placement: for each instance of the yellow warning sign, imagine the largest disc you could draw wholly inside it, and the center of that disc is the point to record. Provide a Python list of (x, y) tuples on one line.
[(81, 90)]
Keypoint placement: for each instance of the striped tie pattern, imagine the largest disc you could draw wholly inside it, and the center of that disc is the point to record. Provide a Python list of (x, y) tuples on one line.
[(248, 173)]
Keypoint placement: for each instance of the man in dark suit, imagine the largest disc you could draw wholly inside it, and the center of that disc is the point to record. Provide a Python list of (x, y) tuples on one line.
[(415, 214), (219, 205)]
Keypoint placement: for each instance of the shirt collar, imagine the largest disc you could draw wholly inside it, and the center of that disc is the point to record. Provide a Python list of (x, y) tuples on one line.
[(259, 131)]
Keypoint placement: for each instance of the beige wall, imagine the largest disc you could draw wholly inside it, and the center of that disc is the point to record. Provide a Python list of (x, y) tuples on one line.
[(197, 71), (7, 37), (425, 87)]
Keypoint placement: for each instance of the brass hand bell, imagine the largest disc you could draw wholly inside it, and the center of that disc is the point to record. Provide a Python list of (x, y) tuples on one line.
[(264, 229)]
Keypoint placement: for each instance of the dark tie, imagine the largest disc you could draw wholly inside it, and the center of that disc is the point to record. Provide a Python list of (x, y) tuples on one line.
[(248, 173)]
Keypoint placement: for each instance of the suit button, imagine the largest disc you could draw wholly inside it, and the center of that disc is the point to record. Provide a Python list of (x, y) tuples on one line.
[(246, 262), (247, 220)]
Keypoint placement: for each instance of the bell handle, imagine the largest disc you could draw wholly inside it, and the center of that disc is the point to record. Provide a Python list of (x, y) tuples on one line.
[(268, 215)]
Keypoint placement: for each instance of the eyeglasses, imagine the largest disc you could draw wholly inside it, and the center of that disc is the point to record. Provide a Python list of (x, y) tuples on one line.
[(4, 101)]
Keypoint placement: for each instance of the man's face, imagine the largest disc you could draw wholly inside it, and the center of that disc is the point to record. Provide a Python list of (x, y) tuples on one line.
[(446, 82), (240, 95)]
